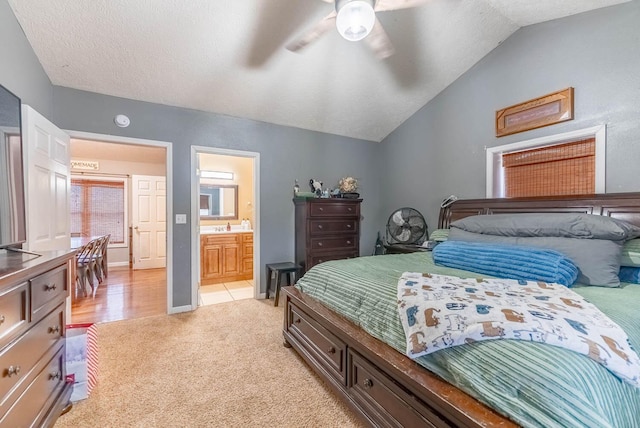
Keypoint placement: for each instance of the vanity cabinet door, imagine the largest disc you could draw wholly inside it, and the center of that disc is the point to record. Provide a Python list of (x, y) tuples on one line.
[(225, 258)]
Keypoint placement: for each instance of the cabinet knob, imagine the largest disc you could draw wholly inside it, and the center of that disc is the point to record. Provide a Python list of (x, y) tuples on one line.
[(331, 350), (297, 321), (348, 226), (349, 209), (320, 261), (50, 287), (55, 375), (319, 244), (13, 370), (319, 226), (2, 319), (55, 329), (368, 383), (321, 209), (348, 242)]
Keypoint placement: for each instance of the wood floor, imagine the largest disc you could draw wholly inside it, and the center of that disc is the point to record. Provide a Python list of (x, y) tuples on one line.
[(124, 294)]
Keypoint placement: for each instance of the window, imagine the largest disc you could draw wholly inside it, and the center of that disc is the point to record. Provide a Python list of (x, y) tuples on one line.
[(98, 207), (565, 164)]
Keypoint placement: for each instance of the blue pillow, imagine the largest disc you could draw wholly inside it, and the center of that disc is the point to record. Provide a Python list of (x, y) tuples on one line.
[(629, 274), (507, 261)]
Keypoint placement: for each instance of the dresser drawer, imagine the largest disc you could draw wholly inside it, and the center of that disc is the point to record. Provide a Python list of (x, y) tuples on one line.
[(47, 290), (21, 355), (326, 349), (222, 238), (323, 227), (13, 312), (381, 396), (40, 394), (334, 209), (315, 259), (347, 242), (247, 238)]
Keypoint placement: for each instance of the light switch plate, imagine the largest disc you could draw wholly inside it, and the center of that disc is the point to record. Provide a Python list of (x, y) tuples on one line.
[(181, 219)]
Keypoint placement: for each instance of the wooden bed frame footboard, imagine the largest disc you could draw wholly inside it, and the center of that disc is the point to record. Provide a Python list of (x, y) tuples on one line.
[(385, 387)]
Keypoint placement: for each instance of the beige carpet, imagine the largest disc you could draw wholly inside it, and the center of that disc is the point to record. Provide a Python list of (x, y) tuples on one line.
[(221, 366)]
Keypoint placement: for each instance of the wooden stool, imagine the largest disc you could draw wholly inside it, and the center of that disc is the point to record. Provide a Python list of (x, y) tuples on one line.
[(280, 268)]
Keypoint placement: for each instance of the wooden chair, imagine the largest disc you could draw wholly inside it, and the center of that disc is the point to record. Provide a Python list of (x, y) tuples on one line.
[(102, 256), (84, 271)]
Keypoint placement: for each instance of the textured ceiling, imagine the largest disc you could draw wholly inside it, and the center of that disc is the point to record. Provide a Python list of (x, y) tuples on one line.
[(228, 57)]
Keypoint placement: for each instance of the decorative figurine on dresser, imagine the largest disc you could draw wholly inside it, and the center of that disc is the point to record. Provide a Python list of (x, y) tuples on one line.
[(326, 229)]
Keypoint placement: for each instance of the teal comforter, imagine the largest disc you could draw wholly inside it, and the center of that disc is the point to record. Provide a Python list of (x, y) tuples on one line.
[(535, 385)]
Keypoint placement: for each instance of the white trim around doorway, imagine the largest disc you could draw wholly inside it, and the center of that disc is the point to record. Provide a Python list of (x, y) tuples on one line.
[(195, 232), (168, 146)]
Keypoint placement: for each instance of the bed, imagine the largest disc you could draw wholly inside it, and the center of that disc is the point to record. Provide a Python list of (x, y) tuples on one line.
[(386, 388)]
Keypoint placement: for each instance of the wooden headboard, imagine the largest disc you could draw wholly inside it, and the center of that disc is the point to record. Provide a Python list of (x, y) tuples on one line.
[(623, 206)]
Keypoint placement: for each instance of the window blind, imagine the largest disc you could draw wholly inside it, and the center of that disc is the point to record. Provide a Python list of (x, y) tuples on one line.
[(97, 208), (561, 169)]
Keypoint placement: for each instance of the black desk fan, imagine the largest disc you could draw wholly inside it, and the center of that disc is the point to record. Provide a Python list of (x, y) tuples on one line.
[(406, 227)]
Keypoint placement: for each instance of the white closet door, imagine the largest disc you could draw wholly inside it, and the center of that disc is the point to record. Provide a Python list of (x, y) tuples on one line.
[(149, 199), (47, 182)]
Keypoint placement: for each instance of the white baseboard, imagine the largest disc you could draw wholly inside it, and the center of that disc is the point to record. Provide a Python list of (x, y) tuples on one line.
[(119, 264)]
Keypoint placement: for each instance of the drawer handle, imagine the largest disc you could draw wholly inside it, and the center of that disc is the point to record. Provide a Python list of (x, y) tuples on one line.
[(348, 242), (319, 226), (13, 370), (55, 329), (368, 383), (297, 321), (55, 375), (331, 350), (349, 209), (51, 287), (2, 319), (348, 226), (319, 244), (321, 209)]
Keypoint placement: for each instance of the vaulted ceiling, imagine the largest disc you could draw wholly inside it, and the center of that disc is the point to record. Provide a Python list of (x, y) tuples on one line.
[(229, 57)]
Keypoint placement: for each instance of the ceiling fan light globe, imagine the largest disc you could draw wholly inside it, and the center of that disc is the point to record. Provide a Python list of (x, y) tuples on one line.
[(355, 19)]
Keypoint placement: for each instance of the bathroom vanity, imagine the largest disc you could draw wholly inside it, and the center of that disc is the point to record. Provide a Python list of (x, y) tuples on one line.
[(225, 256)]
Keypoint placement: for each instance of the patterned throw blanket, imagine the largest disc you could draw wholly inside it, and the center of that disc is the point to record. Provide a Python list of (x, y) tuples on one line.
[(439, 311)]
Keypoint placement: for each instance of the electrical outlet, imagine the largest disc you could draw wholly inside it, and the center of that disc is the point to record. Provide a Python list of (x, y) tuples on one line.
[(181, 219)]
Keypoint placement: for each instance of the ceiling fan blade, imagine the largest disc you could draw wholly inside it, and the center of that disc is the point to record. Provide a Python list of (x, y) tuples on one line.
[(384, 5), (379, 41), (314, 33)]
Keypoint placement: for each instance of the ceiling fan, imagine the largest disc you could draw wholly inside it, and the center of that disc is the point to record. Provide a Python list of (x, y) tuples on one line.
[(356, 20)]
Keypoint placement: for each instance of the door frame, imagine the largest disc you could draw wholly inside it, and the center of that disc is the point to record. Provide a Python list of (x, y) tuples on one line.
[(168, 146), (195, 216)]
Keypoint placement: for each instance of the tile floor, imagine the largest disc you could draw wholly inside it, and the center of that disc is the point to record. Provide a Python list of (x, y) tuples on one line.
[(225, 292)]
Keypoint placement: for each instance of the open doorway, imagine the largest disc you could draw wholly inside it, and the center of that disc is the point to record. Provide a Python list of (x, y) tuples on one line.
[(119, 188), (225, 215)]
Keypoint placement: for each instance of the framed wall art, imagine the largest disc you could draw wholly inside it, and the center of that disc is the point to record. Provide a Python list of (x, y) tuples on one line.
[(544, 111)]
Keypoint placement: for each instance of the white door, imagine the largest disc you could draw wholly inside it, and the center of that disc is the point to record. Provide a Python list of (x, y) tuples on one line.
[(47, 182), (149, 200)]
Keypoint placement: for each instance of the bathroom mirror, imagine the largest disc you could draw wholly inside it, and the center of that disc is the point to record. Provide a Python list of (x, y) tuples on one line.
[(219, 201)]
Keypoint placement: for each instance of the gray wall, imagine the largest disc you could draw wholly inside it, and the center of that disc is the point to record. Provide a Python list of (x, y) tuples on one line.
[(20, 70), (286, 154), (440, 150)]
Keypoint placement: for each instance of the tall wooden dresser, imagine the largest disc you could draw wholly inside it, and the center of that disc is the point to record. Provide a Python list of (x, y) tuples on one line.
[(33, 390), (326, 229)]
